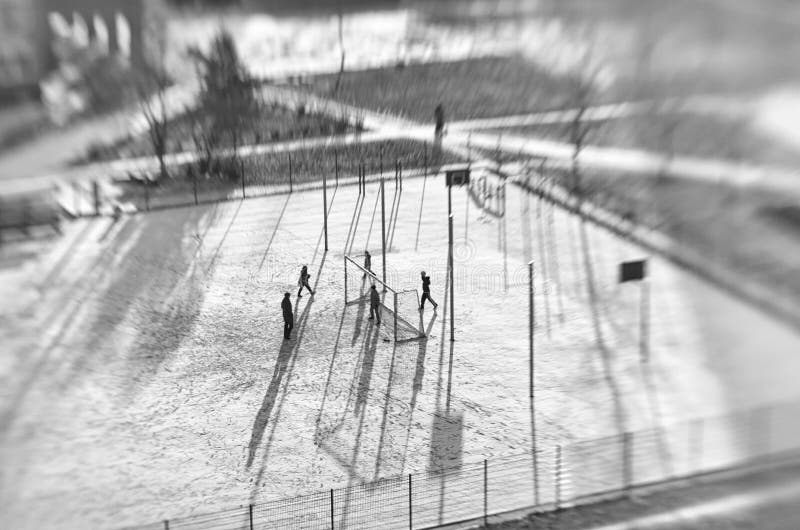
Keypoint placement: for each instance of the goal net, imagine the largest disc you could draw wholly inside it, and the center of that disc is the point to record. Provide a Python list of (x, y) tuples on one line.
[(399, 308)]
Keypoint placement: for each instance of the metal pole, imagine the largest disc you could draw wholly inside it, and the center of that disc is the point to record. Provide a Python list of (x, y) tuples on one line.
[(410, 506), (96, 193), (332, 525), (644, 335), (291, 186), (425, 147), (394, 297), (251, 517), (241, 171), (452, 281), (325, 207), (531, 324), (383, 231), (485, 493)]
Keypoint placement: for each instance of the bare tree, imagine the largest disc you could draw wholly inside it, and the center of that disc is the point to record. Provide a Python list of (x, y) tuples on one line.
[(581, 94), (151, 93)]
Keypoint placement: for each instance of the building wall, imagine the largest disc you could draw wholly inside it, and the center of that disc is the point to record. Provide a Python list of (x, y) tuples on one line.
[(23, 33)]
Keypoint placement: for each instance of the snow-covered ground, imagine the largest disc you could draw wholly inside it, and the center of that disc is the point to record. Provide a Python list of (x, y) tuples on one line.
[(144, 374)]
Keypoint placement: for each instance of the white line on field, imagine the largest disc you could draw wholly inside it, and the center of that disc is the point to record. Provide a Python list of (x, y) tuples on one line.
[(726, 505)]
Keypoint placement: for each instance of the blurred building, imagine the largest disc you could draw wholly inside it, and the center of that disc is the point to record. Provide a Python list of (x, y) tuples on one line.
[(31, 30)]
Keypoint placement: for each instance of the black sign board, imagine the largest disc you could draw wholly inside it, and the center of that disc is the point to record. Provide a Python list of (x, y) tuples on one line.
[(456, 177), (632, 270)]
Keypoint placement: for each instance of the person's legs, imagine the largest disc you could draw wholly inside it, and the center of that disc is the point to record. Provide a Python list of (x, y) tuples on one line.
[(307, 287), (378, 314), (371, 312), (425, 296)]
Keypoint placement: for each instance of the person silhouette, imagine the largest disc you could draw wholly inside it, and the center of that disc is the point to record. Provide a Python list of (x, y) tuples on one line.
[(303, 281), (426, 291), (374, 304), (288, 316), (367, 262), (438, 115)]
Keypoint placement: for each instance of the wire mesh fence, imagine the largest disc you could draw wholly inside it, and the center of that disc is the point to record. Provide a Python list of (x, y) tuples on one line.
[(543, 478), (257, 173)]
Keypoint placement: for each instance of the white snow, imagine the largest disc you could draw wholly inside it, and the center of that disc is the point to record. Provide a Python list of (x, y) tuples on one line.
[(144, 375)]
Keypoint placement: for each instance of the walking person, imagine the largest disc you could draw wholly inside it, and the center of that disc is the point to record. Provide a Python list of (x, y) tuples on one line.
[(288, 316), (303, 282), (426, 291), (374, 304), (367, 263), (438, 115)]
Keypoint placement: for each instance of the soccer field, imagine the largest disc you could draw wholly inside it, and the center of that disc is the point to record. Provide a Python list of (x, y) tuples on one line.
[(145, 375)]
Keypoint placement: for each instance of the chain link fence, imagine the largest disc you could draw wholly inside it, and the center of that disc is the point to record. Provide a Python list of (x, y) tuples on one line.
[(547, 478)]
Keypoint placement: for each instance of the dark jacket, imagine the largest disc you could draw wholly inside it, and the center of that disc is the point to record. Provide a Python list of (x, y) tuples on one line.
[(286, 305), (426, 284), (374, 298)]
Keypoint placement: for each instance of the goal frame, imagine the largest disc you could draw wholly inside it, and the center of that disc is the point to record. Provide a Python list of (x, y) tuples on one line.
[(387, 289)]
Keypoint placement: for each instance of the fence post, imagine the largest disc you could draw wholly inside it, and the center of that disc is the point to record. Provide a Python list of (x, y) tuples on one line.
[(627, 464), (485, 492), (96, 194), (325, 207), (345, 280), (410, 506), (332, 525), (290, 173), (251, 517), (425, 147), (558, 477), (395, 315), (241, 172)]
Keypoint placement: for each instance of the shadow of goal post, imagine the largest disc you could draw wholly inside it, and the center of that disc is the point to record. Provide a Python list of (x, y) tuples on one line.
[(403, 305)]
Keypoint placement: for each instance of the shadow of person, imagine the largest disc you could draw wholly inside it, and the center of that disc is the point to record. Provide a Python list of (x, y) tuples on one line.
[(264, 413)]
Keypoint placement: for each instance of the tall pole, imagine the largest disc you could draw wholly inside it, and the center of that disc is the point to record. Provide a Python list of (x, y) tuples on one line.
[(325, 207), (452, 286), (383, 232), (450, 259), (531, 323)]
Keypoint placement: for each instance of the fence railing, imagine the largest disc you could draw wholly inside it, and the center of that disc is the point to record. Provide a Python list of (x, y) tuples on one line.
[(544, 478)]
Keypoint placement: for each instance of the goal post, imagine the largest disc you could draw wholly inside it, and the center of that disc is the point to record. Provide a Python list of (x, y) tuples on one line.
[(399, 308)]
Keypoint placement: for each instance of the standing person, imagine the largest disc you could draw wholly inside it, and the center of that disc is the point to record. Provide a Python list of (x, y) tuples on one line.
[(374, 304), (288, 316), (426, 291), (438, 115), (367, 262), (303, 281)]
